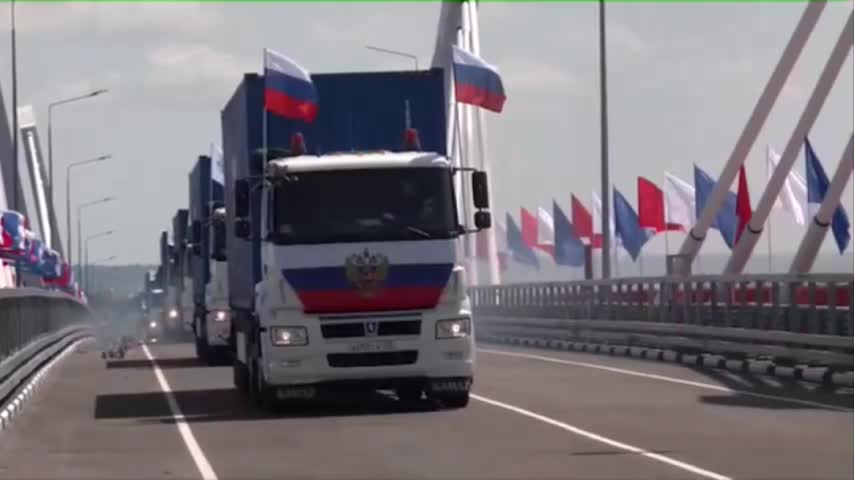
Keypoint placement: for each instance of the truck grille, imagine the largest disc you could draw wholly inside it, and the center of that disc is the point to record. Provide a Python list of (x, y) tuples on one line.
[(382, 324), (345, 360), (383, 329)]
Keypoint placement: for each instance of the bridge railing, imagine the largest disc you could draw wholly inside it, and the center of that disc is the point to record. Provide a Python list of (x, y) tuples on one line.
[(800, 318), (34, 325)]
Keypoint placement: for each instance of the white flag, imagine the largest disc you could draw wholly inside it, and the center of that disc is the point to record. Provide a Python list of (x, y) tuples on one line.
[(217, 165), (793, 195), (545, 227), (679, 201)]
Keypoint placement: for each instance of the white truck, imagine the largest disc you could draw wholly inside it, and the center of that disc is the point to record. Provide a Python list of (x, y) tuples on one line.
[(362, 284)]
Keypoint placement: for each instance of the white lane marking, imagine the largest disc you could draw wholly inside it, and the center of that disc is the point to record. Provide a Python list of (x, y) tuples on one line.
[(607, 441), (653, 376), (196, 452)]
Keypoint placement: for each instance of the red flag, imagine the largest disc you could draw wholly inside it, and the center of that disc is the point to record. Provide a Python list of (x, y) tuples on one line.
[(582, 221), (742, 203), (651, 207), (529, 228)]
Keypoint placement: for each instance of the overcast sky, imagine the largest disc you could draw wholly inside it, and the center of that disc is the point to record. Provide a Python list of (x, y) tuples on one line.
[(683, 79)]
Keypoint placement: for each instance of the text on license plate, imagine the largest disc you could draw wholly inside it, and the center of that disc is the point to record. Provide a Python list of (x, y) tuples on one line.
[(380, 346)]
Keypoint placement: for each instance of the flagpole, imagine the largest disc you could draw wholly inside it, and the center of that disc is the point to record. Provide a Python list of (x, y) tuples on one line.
[(264, 113), (666, 225)]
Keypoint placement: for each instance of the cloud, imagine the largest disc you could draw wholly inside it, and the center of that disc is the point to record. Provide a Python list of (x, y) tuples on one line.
[(532, 75), (180, 65), (111, 18)]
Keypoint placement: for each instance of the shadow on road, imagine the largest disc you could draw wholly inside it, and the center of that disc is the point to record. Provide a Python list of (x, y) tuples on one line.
[(763, 391), (164, 363), (222, 405)]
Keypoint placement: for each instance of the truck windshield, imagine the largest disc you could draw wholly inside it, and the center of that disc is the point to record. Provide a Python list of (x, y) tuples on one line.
[(365, 205)]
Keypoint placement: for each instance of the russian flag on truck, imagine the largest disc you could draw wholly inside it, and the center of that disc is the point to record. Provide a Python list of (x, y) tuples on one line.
[(288, 89), (477, 82)]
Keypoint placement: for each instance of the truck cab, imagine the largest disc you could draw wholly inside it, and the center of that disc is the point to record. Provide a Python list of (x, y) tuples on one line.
[(363, 285)]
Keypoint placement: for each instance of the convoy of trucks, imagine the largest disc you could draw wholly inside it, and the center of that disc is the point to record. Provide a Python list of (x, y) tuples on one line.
[(327, 257)]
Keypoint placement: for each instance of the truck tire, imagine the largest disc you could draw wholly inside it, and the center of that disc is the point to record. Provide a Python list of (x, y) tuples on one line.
[(241, 377), (261, 395), (202, 350)]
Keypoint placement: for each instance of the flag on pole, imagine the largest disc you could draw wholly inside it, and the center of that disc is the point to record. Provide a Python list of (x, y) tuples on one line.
[(217, 164), (582, 221), (545, 231), (628, 227), (742, 203), (568, 248), (530, 226), (793, 196), (651, 209), (817, 186), (616, 241), (477, 82), (288, 89), (726, 220), (519, 249), (679, 201)]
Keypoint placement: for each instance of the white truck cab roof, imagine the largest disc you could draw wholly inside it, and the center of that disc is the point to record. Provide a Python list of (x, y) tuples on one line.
[(358, 161)]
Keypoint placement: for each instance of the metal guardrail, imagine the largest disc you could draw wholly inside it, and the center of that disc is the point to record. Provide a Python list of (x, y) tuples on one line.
[(805, 319), (34, 324)]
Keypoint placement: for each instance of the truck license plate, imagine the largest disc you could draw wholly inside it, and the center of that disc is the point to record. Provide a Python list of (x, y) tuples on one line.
[(368, 347)]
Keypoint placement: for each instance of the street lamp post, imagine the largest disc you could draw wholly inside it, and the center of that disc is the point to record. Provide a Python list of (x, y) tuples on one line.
[(80, 228), (85, 275), (394, 52), (603, 139), (68, 198), (101, 260), (50, 108)]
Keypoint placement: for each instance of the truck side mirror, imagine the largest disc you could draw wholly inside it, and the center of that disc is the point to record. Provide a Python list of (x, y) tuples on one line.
[(241, 228), (480, 189), (241, 198), (482, 220)]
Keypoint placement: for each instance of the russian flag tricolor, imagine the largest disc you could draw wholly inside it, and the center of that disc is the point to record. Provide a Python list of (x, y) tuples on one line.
[(477, 82), (288, 89)]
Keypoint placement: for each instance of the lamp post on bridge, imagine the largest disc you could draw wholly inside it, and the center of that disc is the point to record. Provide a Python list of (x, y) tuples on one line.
[(80, 209), (394, 52), (85, 275), (101, 260), (50, 108), (68, 199)]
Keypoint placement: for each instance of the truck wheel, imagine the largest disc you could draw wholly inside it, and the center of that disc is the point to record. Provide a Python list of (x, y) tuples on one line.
[(261, 395), (452, 400), (241, 377)]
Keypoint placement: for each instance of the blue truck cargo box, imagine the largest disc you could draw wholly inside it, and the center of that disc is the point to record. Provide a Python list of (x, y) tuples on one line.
[(357, 111), (200, 192)]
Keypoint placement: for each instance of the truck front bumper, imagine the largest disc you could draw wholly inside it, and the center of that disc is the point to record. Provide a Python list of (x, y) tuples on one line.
[(218, 327)]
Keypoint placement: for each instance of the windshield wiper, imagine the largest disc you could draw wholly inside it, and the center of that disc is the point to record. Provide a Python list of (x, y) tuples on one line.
[(418, 231)]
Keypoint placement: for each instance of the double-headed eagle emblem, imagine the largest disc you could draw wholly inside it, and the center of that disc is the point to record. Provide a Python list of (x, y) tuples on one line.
[(367, 272)]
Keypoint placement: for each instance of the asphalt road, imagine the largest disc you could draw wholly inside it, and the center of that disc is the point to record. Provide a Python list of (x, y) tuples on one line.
[(536, 415)]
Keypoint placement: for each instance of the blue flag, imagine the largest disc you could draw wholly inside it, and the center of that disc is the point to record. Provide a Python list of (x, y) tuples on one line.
[(521, 252), (817, 185), (726, 220), (569, 249), (627, 226)]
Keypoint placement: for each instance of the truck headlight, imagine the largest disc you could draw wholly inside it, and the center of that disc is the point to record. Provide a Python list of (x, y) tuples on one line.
[(173, 313), (289, 336), (153, 324), (453, 328), (220, 316)]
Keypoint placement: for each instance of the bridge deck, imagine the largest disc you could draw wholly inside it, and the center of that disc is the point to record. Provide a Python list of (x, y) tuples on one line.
[(532, 418)]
